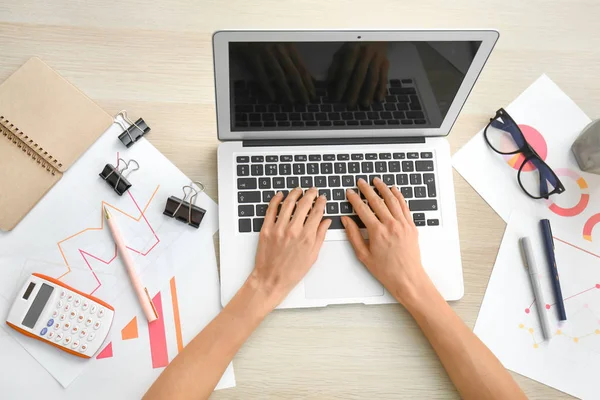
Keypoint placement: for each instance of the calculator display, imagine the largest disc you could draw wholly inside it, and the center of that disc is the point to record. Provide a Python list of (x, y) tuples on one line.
[(37, 306)]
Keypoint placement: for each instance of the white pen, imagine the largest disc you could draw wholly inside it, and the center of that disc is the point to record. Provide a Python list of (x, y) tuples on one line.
[(537, 288)]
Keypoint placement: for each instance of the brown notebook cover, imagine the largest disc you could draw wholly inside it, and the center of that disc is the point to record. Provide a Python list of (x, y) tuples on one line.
[(46, 124)]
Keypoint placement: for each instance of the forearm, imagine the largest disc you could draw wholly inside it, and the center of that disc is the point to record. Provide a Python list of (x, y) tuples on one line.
[(195, 372), (474, 370)]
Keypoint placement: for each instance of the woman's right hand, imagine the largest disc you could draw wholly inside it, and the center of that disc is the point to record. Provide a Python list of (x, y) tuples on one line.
[(392, 252)]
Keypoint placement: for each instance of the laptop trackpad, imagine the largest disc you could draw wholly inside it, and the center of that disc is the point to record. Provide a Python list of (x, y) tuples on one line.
[(338, 274)]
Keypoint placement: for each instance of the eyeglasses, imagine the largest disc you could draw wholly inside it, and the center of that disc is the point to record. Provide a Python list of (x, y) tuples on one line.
[(535, 177)]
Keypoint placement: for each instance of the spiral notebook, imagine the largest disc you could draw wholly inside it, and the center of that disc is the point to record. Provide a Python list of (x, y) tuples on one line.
[(46, 124)]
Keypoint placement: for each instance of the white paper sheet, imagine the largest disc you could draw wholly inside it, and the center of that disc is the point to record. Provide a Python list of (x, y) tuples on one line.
[(63, 237), (508, 321)]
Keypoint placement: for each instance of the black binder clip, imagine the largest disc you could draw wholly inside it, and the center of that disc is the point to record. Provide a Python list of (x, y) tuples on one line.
[(117, 179), (186, 211), (134, 132)]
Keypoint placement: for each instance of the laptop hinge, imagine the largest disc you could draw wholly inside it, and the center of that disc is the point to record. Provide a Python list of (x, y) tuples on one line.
[(331, 141)]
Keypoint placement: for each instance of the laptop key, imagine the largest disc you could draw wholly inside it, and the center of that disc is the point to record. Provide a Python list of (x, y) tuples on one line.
[(338, 194), (363, 177), (286, 158), (336, 221), (278, 183), (424, 166), (295, 117), (371, 156), (385, 156), (306, 182), (246, 210), (389, 180), (249, 197), (281, 117), (308, 116), (366, 122), (321, 116), (420, 222), (325, 123), (420, 192), (326, 168), (399, 156), (408, 166), (372, 177), (394, 166), (243, 170), (314, 157), (246, 183), (334, 116), (407, 192), (242, 159), (334, 181), (415, 179), (326, 193), (320, 181), (426, 154), (271, 169), (263, 183), (267, 195), (373, 115), (245, 225), (311, 123), (329, 157), (347, 116), (423, 205), (297, 123), (299, 169), (293, 182), (414, 115), (401, 179), (433, 222), (360, 115), (340, 168), (332, 208), (257, 170), (345, 207), (366, 167), (272, 158), (285, 169), (339, 123), (257, 224), (353, 167), (261, 210), (418, 216), (380, 166), (412, 155), (312, 168), (357, 156), (430, 184), (347, 181)]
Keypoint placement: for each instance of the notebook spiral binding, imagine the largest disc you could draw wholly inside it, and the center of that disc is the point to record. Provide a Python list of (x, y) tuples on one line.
[(28, 146)]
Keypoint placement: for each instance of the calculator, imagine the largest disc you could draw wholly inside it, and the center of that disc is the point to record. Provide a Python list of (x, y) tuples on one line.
[(48, 310)]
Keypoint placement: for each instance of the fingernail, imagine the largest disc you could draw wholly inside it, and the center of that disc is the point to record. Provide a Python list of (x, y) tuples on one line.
[(344, 221), (362, 180), (278, 194), (350, 191), (376, 179)]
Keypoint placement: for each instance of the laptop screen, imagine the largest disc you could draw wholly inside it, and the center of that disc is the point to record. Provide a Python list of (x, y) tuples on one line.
[(277, 86)]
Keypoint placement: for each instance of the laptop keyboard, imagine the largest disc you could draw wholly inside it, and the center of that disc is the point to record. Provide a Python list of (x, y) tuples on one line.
[(260, 176), (401, 106)]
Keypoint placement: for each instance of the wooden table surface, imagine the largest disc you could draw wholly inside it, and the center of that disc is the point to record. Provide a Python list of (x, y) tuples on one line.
[(154, 58)]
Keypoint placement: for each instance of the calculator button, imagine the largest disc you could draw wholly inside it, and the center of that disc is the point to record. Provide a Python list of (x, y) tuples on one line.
[(75, 344), (60, 304), (83, 348), (77, 302), (50, 322), (72, 314), (63, 294), (67, 340), (67, 307), (66, 326), (70, 298), (93, 309), (100, 312), (51, 334), (85, 305), (58, 337), (44, 330), (57, 326), (62, 317), (91, 336), (54, 313), (89, 321), (97, 325), (75, 329), (80, 318), (83, 332)]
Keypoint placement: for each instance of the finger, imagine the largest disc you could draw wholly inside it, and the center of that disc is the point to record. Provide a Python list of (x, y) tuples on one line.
[(309, 83), (375, 202), (360, 73), (292, 72), (364, 211), (260, 72), (333, 70), (372, 82), (288, 207), (383, 78), (273, 64), (316, 214), (391, 201), (321, 233), (355, 238), (403, 205), (271, 213), (346, 70), (303, 207)]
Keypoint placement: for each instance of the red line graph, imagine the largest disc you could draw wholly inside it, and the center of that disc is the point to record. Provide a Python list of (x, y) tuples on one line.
[(107, 262)]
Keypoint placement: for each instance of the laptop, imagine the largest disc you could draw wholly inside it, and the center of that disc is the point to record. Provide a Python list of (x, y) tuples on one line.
[(325, 108)]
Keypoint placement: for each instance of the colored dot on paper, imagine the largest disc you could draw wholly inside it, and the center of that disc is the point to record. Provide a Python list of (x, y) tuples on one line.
[(547, 306), (586, 305), (597, 331), (597, 285), (559, 332), (527, 311), (521, 326), (530, 330), (576, 340), (535, 346)]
